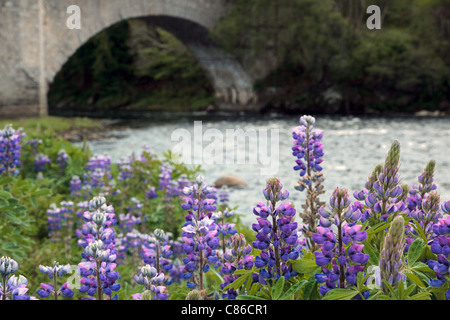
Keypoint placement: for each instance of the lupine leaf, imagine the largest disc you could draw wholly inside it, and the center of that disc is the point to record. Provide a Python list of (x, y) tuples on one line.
[(421, 296), (293, 289), (310, 288), (239, 282), (409, 290), (340, 294), (414, 278), (420, 231), (391, 290), (377, 228), (401, 290), (214, 271), (277, 289), (384, 297), (4, 194), (241, 272), (420, 266), (254, 288), (373, 255), (245, 297), (415, 249), (304, 265)]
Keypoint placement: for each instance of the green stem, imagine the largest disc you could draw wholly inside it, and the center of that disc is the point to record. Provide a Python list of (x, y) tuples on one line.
[(4, 288), (274, 231), (55, 290), (99, 282)]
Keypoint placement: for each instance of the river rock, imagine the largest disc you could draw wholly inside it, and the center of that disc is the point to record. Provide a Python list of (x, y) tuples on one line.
[(229, 181), (426, 113)]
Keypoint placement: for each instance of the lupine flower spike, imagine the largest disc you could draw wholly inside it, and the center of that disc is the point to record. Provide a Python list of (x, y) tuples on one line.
[(308, 150), (54, 272), (391, 262)]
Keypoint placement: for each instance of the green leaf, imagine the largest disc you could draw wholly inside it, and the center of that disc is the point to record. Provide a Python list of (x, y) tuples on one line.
[(409, 290), (414, 278), (239, 282), (241, 272), (5, 194), (310, 289), (377, 228), (42, 192), (340, 294), (215, 273), (415, 249), (304, 265), (401, 290), (373, 255), (255, 287), (384, 297), (391, 290), (420, 231), (293, 289), (277, 290), (33, 202), (360, 279), (244, 297), (420, 266), (421, 296)]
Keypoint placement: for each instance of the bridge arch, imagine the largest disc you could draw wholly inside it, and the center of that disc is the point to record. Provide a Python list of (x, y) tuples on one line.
[(41, 52)]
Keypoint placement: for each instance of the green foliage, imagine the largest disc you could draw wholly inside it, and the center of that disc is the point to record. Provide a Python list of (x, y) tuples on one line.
[(312, 46)]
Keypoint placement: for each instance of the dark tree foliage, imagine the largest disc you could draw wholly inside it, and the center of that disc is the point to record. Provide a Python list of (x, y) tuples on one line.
[(325, 59), (132, 65)]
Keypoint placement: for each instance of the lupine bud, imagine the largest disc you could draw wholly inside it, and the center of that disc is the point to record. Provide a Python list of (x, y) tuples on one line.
[(7, 266), (391, 255), (97, 203)]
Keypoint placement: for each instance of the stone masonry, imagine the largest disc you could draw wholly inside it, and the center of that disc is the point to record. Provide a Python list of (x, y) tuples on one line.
[(35, 43)]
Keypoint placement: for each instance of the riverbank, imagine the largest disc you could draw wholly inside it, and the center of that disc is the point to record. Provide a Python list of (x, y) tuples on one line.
[(73, 129)]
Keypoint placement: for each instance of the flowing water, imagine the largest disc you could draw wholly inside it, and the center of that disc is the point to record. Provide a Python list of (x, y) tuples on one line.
[(353, 146)]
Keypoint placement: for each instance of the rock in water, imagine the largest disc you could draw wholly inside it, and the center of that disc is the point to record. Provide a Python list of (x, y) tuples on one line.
[(229, 181)]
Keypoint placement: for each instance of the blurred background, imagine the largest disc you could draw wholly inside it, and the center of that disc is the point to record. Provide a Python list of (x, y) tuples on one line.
[(303, 56), (137, 70)]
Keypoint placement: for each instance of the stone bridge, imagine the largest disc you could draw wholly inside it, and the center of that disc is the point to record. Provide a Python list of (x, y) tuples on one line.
[(35, 42)]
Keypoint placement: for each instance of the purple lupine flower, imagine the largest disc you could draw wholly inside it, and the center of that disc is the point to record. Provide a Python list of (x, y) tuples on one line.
[(75, 186), (440, 246), (40, 162), (277, 234), (308, 150), (383, 197), (224, 196), (237, 258), (224, 229), (125, 169), (199, 233), (54, 219), (150, 193), (10, 145), (12, 288), (150, 278), (345, 263), (62, 158), (54, 272), (99, 250), (98, 176), (426, 215)]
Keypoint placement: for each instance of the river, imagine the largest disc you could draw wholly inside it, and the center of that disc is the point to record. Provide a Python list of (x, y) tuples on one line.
[(353, 146)]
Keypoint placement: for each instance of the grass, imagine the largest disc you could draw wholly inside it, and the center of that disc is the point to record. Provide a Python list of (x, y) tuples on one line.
[(50, 124)]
